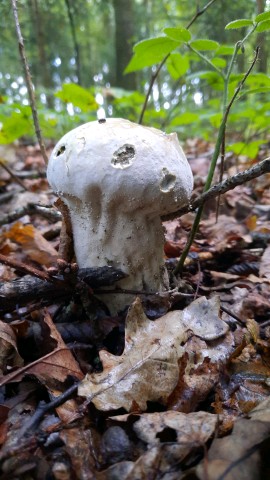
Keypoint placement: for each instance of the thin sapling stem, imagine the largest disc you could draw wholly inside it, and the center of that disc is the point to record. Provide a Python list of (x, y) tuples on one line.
[(28, 81), (219, 141)]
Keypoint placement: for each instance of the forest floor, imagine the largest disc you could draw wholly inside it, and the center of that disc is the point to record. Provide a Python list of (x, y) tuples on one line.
[(180, 389)]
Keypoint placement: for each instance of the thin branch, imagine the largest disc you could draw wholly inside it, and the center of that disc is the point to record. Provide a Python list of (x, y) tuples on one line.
[(15, 178), (229, 184), (31, 209), (28, 81), (22, 267), (44, 408), (199, 13), (156, 73)]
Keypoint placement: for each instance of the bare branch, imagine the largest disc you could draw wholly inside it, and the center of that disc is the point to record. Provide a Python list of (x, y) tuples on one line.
[(28, 81), (229, 184)]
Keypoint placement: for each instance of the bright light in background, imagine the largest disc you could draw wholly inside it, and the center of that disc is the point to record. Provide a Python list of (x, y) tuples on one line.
[(14, 85), (155, 93), (43, 98), (101, 113), (166, 106), (198, 98), (99, 99), (23, 90), (98, 78), (57, 62), (70, 109)]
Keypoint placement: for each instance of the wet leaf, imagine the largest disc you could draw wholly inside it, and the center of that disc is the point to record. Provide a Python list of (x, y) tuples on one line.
[(148, 368), (9, 354), (54, 367)]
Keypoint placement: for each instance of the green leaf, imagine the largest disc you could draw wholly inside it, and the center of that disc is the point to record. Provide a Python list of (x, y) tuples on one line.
[(185, 119), (250, 149), (177, 65), (263, 26), (17, 125), (225, 50), (262, 16), (213, 79), (178, 34), (215, 119), (204, 44), (241, 22), (78, 96), (255, 90), (258, 79), (150, 51), (219, 62)]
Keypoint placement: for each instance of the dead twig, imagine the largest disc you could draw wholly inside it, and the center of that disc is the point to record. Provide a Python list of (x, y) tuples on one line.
[(229, 184), (22, 267), (44, 408), (31, 209), (15, 178)]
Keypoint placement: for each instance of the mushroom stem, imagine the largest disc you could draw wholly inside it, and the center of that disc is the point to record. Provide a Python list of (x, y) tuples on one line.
[(132, 243)]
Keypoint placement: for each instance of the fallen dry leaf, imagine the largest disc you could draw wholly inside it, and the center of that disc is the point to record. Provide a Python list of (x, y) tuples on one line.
[(170, 437), (224, 234), (191, 428), (56, 366), (236, 457), (35, 246), (148, 368), (79, 446), (265, 264), (9, 355)]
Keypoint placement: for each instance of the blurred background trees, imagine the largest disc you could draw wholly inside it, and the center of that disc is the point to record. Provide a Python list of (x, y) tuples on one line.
[(89, 43)]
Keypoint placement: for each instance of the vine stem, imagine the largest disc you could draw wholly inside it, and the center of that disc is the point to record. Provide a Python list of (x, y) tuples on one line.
[(156, 73), (209, 179), (28, 81)]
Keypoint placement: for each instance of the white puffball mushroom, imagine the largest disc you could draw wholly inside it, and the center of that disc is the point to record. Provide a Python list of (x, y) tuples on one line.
[(117, 178)]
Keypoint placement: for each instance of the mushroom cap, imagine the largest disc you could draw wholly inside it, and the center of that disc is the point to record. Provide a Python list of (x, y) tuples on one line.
[(129, 166)]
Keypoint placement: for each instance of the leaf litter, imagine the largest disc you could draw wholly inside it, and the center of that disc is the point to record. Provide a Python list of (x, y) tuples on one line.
[(177, 388)]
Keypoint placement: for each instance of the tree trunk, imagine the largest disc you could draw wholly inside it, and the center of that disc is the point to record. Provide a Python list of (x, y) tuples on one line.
[(70, 12), (124, 32), (44, 68)]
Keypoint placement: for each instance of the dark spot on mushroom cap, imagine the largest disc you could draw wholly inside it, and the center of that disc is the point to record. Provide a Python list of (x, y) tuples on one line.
[(60, 150), (122, 157)]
